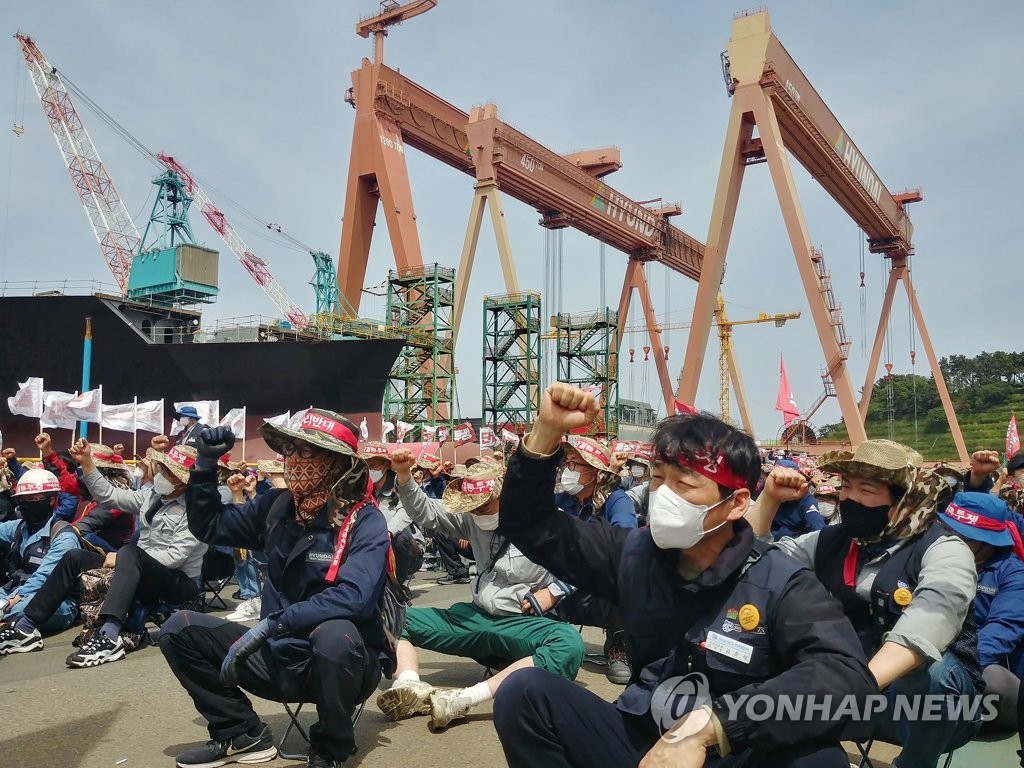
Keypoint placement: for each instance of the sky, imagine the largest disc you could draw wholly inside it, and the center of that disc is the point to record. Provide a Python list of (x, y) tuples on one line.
[(250, 97)]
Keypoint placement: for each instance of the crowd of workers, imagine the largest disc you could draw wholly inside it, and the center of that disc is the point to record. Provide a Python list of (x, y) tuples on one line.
[(838, 592)]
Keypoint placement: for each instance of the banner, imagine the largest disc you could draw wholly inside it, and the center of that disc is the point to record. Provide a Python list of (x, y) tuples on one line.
[(1012, 438), (442, 435), (88, 406), (235, 421), (785, 402), (364, 431), (149, 416), (119, 417), (682, 408), (209, 413), (509, 437), (386, 428), (29, 399), (403, 430), (487, 438), (55, 411), (463, 433)]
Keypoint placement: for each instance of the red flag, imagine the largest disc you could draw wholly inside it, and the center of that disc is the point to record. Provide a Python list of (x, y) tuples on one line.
[(684, 408), (785, 402), (463, 433), (1012, 438)]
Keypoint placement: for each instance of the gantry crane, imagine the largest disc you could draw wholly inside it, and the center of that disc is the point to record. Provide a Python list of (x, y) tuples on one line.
[(114, 229), (391, 13), (728, 367)]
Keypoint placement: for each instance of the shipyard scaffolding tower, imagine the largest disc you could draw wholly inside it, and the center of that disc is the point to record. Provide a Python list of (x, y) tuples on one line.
[(588, 357), (511, 371), (420, 301)]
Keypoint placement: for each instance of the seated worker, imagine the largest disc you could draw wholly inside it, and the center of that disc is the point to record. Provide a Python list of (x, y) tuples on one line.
[(62, 466), (985, 523), (698, 594), (321, 637), (826, 498), (106, 527), (906, 583), (34, 546), (798, 516), (163, 566), (494, 628), (406, 541)]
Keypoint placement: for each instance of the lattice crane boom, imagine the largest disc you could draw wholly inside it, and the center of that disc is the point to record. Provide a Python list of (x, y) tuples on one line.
[(252, 263), (115, 231)]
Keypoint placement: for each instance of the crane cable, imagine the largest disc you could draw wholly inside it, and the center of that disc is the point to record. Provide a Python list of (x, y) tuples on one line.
[(913, 346)]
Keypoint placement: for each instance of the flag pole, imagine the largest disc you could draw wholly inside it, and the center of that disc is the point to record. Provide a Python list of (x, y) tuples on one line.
[(101, 413), (244, 430), (83, 426), (135, 426)]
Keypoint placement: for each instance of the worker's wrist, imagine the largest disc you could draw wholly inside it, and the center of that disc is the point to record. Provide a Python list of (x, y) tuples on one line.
[(542, 440)]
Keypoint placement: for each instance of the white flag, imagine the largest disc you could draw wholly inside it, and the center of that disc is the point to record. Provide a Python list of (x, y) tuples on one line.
[(208, 410), (87, 406), (119, 417), (280, 421), (149, 416), (386, 428), (427, 433), (29, 399), (403, 429), (295, 422), (487, 438), (235, 421), (509, 437), (55, 411), (364, 432)]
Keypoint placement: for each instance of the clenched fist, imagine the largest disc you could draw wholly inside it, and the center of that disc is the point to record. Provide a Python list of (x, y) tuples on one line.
[(44, 444), (563, 408), (784, 484), (984, 462), (402, 461), (161, 443)]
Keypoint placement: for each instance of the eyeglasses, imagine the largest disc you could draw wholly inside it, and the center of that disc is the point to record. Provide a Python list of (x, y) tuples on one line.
[(304, 451), (573, 465)]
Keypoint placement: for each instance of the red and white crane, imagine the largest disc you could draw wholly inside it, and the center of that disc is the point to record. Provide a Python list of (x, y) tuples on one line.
[(253, 264), (114, 229)]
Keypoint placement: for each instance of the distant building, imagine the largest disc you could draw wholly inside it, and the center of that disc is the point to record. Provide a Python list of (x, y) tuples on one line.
[(637, 420)]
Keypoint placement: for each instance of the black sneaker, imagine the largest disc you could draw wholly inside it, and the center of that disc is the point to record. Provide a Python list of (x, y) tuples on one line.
[(319, 761), (241, 749), (449, 579), (98, 649), (13, 640)]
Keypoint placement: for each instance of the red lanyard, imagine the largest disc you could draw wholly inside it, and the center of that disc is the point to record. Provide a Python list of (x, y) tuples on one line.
[(339, 551), (850, 565)]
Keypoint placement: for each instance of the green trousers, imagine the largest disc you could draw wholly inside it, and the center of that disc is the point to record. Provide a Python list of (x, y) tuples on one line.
[(465, 630)]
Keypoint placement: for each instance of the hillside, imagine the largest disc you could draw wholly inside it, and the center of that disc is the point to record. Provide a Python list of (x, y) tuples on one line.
[(986, 390)]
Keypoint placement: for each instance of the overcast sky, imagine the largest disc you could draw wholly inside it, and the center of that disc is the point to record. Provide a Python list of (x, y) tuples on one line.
[(249, 95)]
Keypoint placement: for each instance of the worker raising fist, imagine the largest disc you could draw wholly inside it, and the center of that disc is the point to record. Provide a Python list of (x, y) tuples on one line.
[(563, 408)]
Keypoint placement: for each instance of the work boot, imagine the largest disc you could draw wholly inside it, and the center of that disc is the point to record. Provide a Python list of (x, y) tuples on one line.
[(405, 699), (617, 671)]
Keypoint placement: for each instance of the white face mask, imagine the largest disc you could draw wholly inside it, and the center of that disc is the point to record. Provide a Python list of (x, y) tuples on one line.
[(184, 423), (675, 522), (569, 482), (826, 509), (637, 471), (485, 522), (163, 486), (376, 475)]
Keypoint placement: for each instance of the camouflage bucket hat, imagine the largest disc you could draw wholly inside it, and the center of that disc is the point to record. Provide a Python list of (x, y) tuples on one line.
[(271, 466), (324, 429), (178, 461), (884, 460), (476, 486)]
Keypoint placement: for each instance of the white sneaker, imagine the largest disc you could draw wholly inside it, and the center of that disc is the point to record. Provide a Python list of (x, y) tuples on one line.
[(405, 699), (445, 707), (247, 610)]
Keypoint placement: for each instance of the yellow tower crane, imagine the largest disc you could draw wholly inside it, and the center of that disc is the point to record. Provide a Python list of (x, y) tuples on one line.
[(728, 368)]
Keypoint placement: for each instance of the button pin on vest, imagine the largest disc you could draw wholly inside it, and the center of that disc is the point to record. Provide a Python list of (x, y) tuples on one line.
[(902, 596)]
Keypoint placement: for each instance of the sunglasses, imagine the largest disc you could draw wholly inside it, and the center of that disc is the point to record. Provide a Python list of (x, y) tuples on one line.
[(304, 451)]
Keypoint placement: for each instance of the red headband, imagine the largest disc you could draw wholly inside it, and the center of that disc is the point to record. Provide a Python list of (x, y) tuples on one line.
[(591, 450), (181, 459), (376, 450), (111, 457), (982, 523), (713, 467), (477, 487), (328, 426)]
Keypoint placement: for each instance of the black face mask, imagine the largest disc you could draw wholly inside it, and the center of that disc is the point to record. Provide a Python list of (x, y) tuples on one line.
[(35, 513), (863, 522)]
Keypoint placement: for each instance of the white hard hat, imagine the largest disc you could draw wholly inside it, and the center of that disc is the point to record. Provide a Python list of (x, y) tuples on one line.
[(37, 481)]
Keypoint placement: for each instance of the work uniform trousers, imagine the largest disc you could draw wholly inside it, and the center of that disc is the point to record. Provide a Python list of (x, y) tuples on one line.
[(451, 557), (465, 630), (331, 668), (137, 576), (546, 720)]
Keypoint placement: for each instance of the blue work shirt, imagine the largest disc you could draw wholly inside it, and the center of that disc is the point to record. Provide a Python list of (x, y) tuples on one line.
[(65, 541), (619, 510), (999, 609), (796, 518)]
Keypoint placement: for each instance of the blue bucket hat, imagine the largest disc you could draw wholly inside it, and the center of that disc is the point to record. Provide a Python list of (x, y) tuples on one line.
[(188, 411), (981, 517)]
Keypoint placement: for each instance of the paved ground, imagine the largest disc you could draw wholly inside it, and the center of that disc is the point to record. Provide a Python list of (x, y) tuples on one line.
[(133, 714)]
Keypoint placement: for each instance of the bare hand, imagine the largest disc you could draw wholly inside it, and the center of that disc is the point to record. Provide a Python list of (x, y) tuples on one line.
[(236, 484), (81, 451), (784, 484), (544, 599), (402, 461), (147, 470), (984, 462), (250, 485), (563, 408), (44, 443), (619, 459), (9, 453), (110, 560), (161, 443), (688, 753), (12, 601), (118, 449)]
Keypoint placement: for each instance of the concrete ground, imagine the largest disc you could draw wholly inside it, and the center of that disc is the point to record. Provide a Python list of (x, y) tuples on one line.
[(133, 714)]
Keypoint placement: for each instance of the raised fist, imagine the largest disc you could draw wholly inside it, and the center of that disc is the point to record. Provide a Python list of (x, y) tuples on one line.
[(785, 484), (619, 459), (565, 408), (214, 442), (236, 483), (118, 449), (161, 443), (80, 451), (250, 485), (9, 453), (402, 461), (44, 444), (984, 462)]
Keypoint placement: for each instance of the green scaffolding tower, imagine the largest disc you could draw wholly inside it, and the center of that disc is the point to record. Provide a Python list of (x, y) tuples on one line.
[(588, 357), (511, 371), (420, 301)]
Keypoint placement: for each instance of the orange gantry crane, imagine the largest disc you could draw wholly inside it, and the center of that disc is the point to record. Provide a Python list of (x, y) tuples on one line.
[(393, 112), (771, 94)]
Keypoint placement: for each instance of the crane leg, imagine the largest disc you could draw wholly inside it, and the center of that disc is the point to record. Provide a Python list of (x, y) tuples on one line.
[(396, 197), (876, 348), (476, 217)]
